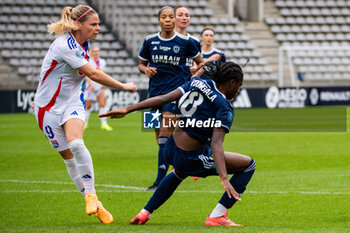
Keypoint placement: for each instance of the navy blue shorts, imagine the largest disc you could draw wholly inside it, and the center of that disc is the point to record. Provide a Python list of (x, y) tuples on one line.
[(192, 163), (169, 107)]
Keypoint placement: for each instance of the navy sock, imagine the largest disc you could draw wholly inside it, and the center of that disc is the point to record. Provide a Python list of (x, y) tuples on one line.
[(163, 165), (165, 189), (239, 182)]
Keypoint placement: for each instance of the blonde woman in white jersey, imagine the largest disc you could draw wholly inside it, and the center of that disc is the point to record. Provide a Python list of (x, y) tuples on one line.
[(95, 90), (59, 101)]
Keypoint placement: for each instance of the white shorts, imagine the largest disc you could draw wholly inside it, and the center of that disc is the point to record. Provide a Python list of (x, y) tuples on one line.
[(51, 124), (92, 95)]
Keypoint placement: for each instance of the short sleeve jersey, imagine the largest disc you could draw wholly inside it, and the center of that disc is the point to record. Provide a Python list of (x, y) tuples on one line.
[(189, 60), (203, 107), (205, 75), (60, 82), (169, 57)]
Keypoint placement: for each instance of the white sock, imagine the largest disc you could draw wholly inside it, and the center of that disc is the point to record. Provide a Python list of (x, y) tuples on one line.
[(143, 210), (83, 163), (74, 174), (218, 211), (87, 115), (103, 119)]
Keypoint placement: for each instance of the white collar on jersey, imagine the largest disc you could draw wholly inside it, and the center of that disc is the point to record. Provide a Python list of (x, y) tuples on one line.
[(207, 53), (166, 39), (83, 47)]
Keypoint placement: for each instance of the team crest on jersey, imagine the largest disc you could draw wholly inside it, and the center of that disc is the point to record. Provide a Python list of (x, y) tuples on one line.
[(78, 54), (176, 49), (54, 143)]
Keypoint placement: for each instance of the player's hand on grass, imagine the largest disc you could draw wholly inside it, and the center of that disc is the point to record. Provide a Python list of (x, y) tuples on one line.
[(130, 87), (231, 192), (151, 71), (119, 113)]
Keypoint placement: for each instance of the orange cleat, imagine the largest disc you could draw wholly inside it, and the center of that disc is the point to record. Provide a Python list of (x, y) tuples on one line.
[(103, 214), (140, 218), (195, 177), (91, 203), (221, 221)]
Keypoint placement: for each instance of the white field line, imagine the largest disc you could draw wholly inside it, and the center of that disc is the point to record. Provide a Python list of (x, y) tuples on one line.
[(132, 189)]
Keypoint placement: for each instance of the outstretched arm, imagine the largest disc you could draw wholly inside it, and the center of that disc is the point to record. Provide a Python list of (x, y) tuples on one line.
[(105, 79), (219, 159), (156, 101)]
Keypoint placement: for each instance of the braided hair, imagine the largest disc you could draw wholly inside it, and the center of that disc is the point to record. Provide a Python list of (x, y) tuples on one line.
[(221, 72)]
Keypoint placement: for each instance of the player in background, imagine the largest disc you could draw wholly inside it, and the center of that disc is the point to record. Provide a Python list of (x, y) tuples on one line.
[(197, 150), (59, 101), (95, 90), (163, 59), (182, 21), (209, 53)]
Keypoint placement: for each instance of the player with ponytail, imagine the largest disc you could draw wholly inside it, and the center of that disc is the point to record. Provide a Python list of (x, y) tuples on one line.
[(59, 102)]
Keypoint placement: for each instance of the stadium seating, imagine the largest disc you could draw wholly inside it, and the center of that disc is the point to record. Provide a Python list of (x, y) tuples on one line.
[(135, 19), (318, 26), (24, 40)]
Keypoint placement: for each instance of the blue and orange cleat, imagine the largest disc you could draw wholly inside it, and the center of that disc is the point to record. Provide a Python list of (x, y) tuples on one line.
[(221, 221), (140, 218)]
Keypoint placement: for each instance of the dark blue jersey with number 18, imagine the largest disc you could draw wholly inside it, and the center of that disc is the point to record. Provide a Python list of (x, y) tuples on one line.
[(203, 107), (168, 55)]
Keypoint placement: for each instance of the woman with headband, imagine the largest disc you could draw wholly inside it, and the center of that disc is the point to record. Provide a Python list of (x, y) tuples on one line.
[(59, 101)]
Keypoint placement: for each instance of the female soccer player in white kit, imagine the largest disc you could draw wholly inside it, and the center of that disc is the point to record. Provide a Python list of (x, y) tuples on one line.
[(95, 90), (59, 101)]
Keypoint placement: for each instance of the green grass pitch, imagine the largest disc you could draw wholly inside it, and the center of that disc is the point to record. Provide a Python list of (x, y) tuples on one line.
[(301, 184)]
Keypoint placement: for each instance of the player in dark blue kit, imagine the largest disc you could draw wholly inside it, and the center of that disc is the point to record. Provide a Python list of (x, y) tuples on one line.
[(182, 21), (209, 53), (196, 145), (163, 59)]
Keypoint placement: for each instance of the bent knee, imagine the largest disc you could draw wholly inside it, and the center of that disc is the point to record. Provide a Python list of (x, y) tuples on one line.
[(76, 145), (251, 166)]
